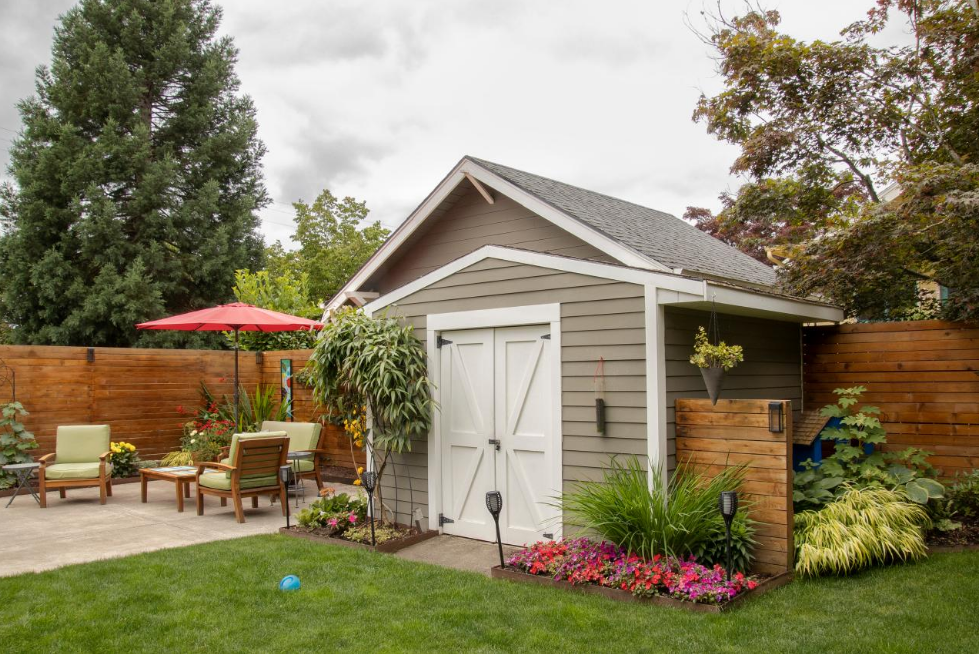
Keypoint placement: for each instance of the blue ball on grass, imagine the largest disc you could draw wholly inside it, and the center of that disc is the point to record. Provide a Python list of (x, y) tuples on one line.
[(289, 582)]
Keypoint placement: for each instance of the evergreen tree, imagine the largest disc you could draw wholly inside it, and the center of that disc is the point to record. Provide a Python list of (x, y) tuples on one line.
[(137, 177)]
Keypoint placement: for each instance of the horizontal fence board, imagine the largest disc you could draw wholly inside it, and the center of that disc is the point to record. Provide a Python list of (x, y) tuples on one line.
[(923, 375)]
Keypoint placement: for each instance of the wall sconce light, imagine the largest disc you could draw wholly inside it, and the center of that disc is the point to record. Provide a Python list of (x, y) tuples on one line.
[(285, 476), (776, 418), (494, 503), (727, 503)]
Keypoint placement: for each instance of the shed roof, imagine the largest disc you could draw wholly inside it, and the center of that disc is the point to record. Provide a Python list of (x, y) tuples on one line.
[(660, 236)]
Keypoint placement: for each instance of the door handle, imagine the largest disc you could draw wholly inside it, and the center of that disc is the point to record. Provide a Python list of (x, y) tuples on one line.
[(495, 442)]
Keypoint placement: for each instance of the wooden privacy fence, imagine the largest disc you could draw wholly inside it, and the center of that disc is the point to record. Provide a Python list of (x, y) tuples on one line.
[(923, 375), (735, 433), (137, 392)]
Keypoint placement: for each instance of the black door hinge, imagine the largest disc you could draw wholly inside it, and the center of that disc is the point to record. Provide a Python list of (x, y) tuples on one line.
[(439, 342), (545, 337), (548, 536), (443, 520), (495, 442)]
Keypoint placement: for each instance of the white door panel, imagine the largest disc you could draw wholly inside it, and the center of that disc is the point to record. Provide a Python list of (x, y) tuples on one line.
[(467, 426), (498, 385), (523, 424)]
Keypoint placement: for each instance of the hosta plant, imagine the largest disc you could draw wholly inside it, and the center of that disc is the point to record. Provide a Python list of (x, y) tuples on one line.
[(860, 528), (713, 549), (851, 465)]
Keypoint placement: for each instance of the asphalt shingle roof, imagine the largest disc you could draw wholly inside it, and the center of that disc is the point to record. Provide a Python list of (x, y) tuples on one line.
[(660, 236)]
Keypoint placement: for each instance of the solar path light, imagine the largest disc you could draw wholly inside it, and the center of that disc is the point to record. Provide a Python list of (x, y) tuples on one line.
[(728, 505), (494, 502)]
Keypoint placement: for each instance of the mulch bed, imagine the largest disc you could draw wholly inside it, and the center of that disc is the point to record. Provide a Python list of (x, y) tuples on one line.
[(338, 474), (763, 587), (966, 538), (410, 537)]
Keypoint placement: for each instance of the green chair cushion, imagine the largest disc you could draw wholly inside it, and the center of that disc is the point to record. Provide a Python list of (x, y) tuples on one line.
[(226, 462), (81, 443), (301, 465), (302, 435), (75, 471), (220, 481)]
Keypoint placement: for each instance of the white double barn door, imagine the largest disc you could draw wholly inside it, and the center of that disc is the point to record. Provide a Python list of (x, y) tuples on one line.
[(497, 396)]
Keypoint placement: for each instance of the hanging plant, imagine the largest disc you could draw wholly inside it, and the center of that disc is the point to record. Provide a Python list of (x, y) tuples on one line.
[(714, 359)]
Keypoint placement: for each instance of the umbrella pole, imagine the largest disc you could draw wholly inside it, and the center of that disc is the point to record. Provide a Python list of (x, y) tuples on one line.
[(237, 418)]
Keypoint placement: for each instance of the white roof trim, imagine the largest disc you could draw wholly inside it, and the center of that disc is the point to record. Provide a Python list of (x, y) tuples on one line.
[(671, 288), (609, 246)]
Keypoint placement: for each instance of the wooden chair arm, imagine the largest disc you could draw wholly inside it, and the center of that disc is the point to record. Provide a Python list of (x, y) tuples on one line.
[(104, 456), (201, 467), (225, 452), (46, 459)]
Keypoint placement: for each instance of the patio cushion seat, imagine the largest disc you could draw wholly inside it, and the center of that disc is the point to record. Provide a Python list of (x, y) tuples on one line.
[(227, 461), (219, 481), (81, 443), (75, 470), (302, 465), (302, 435)]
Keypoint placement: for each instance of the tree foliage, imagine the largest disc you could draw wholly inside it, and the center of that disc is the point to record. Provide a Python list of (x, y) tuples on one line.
[(287, 292), (378, 363), (332, 243), (824, 126), (136, 177)]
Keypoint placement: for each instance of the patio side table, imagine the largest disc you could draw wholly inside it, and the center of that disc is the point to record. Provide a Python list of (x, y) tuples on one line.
[(24, 472)]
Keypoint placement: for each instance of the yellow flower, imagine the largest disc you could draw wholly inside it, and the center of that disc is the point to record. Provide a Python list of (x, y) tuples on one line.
[(356, 482), (360, 470)]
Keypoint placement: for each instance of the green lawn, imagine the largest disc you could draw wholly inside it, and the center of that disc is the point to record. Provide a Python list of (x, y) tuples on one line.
[(222, 597)]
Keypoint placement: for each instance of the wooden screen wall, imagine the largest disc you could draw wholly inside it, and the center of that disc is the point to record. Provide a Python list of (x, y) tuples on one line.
[(923, 375), (735, 433), (137, 392)]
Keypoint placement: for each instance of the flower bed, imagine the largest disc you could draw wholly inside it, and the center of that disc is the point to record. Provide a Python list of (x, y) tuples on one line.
[(398, 538), (609, 570)]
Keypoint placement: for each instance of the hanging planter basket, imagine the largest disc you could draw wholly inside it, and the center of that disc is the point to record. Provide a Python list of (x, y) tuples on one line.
[(714, 357), (714, 380)]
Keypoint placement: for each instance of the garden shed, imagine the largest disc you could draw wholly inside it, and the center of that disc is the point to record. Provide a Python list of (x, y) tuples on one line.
[(535, 299)]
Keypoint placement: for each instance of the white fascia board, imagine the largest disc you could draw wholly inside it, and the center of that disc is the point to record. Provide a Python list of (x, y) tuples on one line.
[(552, 261), (724, 295), (534, 314), (609, 246)]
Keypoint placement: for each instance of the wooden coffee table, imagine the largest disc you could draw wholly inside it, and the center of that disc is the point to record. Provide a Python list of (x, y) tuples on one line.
[(180, 476)]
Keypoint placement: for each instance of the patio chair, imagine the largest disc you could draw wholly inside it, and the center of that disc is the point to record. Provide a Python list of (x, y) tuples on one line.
[(253, 470), (80, 460), (303, 437)]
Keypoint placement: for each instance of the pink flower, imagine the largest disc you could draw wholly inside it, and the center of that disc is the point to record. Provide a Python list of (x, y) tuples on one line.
[(332, 522), (352, 518)]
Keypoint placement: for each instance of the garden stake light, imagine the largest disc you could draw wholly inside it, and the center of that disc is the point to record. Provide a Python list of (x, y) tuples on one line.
[(369, 482), (285, 476), (728, 505), (494, 502)]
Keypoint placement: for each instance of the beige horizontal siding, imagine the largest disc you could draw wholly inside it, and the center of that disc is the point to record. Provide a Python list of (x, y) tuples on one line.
[(469, 224), (599, 318), (772, 367)]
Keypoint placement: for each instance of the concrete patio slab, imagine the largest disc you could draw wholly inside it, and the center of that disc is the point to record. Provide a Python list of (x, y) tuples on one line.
[(78, 529), (456, 552)]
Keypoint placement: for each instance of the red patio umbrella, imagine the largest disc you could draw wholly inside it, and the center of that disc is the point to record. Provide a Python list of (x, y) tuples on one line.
[(234, 317)]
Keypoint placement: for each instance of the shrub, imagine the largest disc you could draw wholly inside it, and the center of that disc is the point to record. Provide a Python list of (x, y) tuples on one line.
[(963, 496), (583, 561), (124, 459), (862, 527), (335, 512), (670, 519), (713, 549), (851, 466), (15, 441)]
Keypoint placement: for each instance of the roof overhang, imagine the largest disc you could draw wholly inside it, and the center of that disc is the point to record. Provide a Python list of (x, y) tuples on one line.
[(671, 289), (468, 169)]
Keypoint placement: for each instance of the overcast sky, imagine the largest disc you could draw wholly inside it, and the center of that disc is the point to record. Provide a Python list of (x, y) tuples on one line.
[(379, 99)]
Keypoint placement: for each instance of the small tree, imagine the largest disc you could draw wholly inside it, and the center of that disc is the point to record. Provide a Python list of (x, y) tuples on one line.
[(287, 292), (380, 364)]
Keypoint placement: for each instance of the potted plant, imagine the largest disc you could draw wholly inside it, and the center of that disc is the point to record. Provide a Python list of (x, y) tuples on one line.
[(714, 360)]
